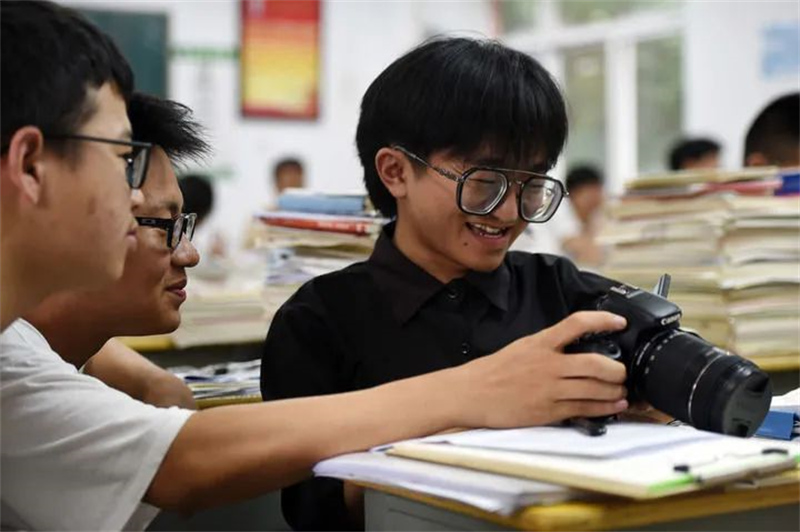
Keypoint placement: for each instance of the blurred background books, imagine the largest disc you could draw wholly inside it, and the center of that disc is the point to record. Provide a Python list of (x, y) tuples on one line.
[(731, 246)]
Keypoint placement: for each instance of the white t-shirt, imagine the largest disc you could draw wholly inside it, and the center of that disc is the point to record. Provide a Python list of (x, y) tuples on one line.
[(74, 453)]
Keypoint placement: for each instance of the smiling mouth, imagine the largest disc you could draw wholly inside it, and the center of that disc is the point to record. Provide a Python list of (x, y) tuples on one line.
[(487, 231)]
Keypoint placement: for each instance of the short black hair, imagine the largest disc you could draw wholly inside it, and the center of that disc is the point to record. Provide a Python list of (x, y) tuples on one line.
[(459, 94), (50, 56), (775, 132), (580, 176), (285, 163), (167, 124), (198, 194), (691, 149)]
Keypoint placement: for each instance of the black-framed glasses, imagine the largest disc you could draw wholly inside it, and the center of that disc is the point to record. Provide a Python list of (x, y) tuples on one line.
[(176, 228), (136, 161), (482, 188)]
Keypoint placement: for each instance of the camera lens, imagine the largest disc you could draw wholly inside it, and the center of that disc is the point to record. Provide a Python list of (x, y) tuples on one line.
[(684, 376)]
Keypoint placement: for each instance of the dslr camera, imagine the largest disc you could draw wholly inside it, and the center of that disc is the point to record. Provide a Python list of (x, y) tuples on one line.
[(675, 371)]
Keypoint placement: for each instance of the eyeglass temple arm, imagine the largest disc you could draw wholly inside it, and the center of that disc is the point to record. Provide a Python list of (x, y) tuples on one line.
[(444, 173)]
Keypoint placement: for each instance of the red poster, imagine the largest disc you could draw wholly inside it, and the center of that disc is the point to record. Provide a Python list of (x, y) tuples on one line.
[(280, 58)]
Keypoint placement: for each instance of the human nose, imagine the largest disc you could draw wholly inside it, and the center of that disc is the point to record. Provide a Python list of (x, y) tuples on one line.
[(507, 210), (137, 198), (185, 255)]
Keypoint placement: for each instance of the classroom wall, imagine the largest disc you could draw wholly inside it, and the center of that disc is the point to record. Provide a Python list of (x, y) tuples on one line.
[(739, 55), (726, 46), (359, 39)]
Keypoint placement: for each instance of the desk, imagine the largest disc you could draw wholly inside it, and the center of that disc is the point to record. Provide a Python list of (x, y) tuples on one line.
[(770, 508)]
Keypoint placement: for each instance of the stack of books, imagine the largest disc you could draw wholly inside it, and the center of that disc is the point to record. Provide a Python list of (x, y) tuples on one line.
[(313, 233), (223, 383), (225, 311), (731, 246)]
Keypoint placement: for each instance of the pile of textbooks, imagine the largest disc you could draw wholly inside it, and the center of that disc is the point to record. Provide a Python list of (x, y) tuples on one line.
[(731, 246)]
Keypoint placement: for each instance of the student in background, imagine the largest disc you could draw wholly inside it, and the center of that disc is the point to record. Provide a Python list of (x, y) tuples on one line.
[(147, 299), (694, 154), (288, 173), (773, 138), (573, 230), (198, 197), (78, 455), (455, 138), (68, 166)]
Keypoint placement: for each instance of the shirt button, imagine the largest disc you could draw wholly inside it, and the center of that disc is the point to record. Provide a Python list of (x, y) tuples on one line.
[(465, 348), (452, 293)]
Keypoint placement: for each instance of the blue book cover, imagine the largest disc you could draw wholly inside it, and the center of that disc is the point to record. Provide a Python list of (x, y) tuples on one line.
[(322, 203)]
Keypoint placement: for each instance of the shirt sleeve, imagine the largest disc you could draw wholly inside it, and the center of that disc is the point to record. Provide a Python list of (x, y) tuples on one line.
[(301, 358), (76, 454)]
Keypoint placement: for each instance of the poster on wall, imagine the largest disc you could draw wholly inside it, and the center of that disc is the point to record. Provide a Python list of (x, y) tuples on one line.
[(280, 58)]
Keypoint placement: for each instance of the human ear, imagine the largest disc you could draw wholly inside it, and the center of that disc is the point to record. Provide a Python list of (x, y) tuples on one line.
[(25, 168), (394, 169)]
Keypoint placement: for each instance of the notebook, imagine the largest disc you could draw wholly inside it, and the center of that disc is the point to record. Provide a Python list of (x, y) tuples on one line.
[(637, 460)]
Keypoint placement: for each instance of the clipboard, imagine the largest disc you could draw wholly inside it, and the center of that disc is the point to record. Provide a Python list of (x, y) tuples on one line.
[(645, 472)]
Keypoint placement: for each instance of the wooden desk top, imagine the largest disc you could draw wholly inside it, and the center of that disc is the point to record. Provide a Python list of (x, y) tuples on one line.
[(779, 363), (142, 344), (615, 512)]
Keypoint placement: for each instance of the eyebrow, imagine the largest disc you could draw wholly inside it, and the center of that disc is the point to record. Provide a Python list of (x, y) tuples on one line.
[(173, 207), (540, 168), (125, 134)]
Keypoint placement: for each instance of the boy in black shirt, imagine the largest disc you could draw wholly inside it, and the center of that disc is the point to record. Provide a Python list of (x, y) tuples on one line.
[(454, 138)]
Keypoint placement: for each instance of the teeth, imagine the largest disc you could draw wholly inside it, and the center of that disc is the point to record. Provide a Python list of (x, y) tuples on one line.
[(488, 229)]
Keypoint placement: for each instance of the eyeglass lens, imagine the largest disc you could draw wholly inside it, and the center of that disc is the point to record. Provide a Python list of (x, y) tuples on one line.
[(482, 190), (136, 168)]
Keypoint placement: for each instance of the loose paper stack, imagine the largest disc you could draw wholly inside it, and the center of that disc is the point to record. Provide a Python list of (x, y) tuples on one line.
[(732, 248)]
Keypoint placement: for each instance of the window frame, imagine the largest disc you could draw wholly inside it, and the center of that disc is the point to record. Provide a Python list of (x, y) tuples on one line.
[(549, 41)]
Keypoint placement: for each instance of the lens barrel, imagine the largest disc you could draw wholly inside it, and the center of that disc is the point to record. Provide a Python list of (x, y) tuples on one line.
[(682, 375)]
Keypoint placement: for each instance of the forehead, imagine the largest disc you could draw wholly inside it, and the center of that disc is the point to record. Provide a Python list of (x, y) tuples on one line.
[(489, 154), (162, 196), (109, 118)]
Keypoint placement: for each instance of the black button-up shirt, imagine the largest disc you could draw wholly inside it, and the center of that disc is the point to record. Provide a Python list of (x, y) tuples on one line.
[(387, 319)]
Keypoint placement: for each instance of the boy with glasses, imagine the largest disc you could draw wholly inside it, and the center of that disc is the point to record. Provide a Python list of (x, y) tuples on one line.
[(69, 170), (455, 139), (148, 297)]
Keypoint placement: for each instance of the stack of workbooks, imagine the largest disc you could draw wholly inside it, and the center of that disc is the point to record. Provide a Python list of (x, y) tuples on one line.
[(321, 233), (223, 383), (731, 246), (502, 471)]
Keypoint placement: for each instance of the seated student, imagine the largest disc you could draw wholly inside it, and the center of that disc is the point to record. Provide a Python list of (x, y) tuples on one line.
[(147, 299), (694, 154), (773, 138), (573, 230), (67, 165), (198, 197), (288, 173), (76, 454), (454, 138)]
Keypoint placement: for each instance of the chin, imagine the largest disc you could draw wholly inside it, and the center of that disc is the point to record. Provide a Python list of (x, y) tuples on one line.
[(486, 264)]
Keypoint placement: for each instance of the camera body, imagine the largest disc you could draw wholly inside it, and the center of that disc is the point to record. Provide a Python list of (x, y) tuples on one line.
[(676, 371)]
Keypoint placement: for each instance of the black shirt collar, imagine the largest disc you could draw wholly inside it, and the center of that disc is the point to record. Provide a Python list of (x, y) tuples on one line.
[(409, 287)]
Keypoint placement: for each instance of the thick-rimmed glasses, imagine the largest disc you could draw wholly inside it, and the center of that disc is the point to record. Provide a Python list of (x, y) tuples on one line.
[(182, 224), (136, 161), (482, 188)]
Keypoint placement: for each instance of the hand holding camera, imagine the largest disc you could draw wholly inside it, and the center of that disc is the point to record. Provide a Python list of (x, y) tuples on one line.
[(675, 371)]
